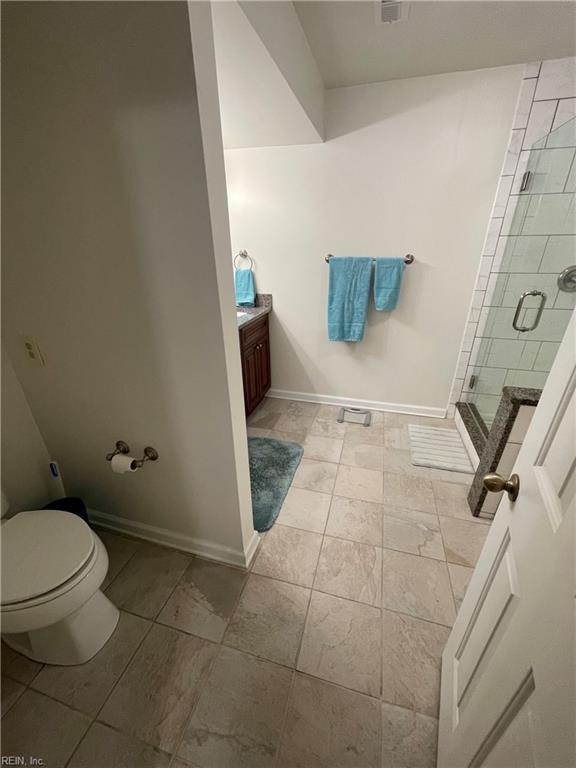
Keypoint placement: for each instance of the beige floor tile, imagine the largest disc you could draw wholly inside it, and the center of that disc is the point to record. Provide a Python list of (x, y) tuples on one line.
[(350, 569), (397, 437), (304, 509), (418, 586), (315, 476), (43, 728), (408, 530), (341, 643), (355, 520), (459, 578), (378, 418), (120, 549), (392, 419), (408, 492), (269, 620), (258, 432), (409, 739), (275, 404), (86, 687), (302, 408), (289, 554), (328, 413), (18, 667), (463, 541), (288, 422), (239, 716), (330, 727), (411, 658), (322, 448), (146, 581), (356, 433), (400, 419), (291, 437), (204, 599), (451, 501), (11, 692), (363, 455), (357, 483), (327, 429), (156, 693), (263, 418), (398, 461), (103, 747)]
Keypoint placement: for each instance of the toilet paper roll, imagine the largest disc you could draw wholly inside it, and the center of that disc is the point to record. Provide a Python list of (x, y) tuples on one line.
[(122, 463)]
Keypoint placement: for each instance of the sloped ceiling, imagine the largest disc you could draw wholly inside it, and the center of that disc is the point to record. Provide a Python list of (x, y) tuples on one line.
[(351, 48)]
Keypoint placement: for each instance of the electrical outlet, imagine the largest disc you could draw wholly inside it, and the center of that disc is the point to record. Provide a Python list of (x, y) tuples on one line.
[(33, 351)]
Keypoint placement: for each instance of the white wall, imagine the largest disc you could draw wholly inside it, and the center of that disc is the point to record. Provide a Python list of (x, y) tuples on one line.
[(109, 262), (26, 480), (409, 166)]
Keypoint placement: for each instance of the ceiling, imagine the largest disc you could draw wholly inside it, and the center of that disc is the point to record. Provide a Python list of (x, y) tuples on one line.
[(351, 48)]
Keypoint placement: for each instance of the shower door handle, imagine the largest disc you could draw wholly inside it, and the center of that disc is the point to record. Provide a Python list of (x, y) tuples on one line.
[(524, 328)]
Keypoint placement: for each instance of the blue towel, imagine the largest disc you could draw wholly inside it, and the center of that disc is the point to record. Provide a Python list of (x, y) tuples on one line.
[(348, 292), (387, 282), (244, 286)]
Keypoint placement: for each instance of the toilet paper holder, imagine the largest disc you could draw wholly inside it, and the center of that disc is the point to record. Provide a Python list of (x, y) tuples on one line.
[(150, 454)]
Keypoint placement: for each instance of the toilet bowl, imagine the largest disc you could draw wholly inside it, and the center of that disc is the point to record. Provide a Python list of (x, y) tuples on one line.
[(52, 609)]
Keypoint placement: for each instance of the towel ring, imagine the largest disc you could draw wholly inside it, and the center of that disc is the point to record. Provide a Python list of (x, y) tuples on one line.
[(243, 255)]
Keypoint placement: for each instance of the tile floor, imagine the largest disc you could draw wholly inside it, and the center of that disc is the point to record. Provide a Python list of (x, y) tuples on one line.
[(326, 653)]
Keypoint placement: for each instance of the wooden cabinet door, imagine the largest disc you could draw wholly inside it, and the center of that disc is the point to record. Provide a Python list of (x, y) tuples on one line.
[(264, 366), (251, 377), (255, 350)]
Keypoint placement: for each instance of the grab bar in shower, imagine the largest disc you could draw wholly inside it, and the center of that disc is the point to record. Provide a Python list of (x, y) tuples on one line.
[(524, 328)]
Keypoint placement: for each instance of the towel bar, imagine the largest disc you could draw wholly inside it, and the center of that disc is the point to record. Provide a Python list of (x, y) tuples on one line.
[(408, 259)]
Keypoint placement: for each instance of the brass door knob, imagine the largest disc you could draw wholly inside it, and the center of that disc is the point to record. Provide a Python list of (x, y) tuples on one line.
[(495, 483)]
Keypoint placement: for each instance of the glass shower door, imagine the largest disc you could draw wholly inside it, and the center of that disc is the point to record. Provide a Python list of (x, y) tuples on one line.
[(525, 311)]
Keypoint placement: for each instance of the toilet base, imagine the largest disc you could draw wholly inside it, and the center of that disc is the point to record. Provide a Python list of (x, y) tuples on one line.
[(75, 639)]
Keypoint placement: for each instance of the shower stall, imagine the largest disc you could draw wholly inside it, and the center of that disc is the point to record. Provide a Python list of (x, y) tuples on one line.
[(531, 289)]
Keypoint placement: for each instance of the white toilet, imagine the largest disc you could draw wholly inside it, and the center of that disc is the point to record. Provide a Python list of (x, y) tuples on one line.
[(53, 565)]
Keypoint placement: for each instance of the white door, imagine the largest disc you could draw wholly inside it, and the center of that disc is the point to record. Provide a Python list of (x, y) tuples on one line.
[(508, 695)]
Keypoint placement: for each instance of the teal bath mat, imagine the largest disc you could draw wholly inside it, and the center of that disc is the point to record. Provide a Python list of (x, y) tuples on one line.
[(272, 467)]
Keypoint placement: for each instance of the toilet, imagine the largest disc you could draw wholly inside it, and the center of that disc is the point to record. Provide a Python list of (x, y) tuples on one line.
[(53, 566)]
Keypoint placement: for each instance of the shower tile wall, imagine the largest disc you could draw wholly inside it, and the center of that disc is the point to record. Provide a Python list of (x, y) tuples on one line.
[(546, 102)]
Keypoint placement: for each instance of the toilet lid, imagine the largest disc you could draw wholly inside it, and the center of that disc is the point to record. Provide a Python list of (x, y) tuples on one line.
[(41, 550)]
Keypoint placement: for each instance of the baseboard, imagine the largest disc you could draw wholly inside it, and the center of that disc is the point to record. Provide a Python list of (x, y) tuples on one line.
[(373, 405), (251, 548), (166, 538)]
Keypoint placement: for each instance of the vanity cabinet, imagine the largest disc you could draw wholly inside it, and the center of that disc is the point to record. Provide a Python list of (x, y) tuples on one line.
[(255, 353)]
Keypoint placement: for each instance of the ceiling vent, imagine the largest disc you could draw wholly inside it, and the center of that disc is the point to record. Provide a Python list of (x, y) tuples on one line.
[(390, 11)]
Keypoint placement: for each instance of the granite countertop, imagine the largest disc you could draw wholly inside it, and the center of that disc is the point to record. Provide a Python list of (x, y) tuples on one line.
[(247, 315)]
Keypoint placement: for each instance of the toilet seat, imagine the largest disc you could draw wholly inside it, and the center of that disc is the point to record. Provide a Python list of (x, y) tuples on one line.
[(68, 585), (45, 553)]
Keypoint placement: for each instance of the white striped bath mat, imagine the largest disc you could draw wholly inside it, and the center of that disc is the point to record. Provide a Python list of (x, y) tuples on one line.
[(438, 448)]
